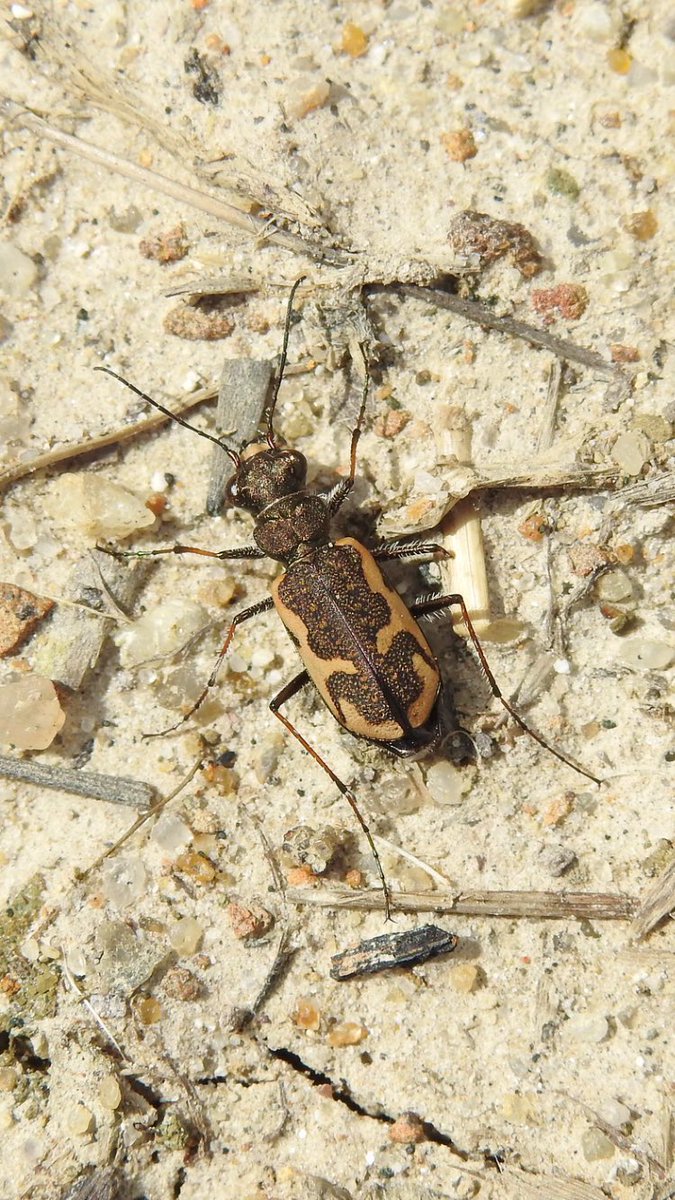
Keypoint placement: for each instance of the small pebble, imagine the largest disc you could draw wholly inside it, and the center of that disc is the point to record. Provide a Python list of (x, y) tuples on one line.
[(597, 22), (125, 880), (30, 713), (79, 1120), (627, 1171), (301, 877), (181, 984), (267, 754), (460, 145), (647, 656), (562, 183), (149, 1010), (306, 1014), (615, 1113), (20, 614), (503, 630), (558, 860), (354, 40), (8, 1079), (315, 849), (534, 527), (167, 247), (567, 300), (586, 557), (110, 1093), (186, 936), (198, 324), (347, 1033), (18, 272), (465, 978), (520, 1109), (614, 586), (624, 354), (596, 1146), (631, 451), (448, 785), (396, 796), (197, 866), (654, 426), (170, 833), (161, 631), (305, 94), (408, 1129), (587, 1028), (249, 921), (642, 225), (97, 507), (619, 61)]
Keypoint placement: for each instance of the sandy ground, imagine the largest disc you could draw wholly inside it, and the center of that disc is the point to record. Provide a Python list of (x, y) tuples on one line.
[(536, 1057)]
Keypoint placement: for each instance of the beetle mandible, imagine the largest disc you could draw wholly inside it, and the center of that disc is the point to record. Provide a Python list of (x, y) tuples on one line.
[(361, 645)]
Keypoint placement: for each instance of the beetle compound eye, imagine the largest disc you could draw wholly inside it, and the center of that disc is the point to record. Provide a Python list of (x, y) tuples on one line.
[(232, 492)]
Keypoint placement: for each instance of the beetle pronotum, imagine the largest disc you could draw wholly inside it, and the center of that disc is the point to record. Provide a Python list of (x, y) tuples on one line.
[(360, 644)]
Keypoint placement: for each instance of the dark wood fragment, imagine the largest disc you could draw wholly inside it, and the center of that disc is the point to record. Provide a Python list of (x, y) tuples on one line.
[(406, 949)]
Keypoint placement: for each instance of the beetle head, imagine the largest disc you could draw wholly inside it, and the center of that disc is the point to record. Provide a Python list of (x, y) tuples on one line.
[(266, 474)]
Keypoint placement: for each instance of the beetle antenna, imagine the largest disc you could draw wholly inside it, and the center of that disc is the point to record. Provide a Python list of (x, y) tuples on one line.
[(282, 362), (172, 415)]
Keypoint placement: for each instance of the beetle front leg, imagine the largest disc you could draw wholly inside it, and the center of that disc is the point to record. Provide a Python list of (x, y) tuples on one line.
[(291, 689), (244, 615), (240, 552)]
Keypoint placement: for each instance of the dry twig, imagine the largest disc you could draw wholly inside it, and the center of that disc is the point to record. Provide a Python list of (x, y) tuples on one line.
[(596, 906)]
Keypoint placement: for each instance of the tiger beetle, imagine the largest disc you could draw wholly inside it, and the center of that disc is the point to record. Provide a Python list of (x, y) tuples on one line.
[(360, 644)]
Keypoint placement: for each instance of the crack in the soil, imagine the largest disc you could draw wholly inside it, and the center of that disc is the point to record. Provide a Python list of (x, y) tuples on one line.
[(343, 1095)]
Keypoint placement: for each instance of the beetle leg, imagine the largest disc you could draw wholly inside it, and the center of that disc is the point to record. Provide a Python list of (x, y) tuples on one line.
[(286, 693), (253, 611), (343, 489), (396, 549), (240, 552), (437, 604)]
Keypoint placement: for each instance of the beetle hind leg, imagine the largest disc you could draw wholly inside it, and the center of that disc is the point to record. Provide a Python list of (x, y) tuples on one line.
[(291, 689), (439, 604)]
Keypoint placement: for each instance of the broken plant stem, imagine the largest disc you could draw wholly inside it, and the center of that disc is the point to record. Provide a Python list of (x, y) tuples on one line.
[(261, 228), (114, 789), (89, 445), (141, 820), (549, 905), (473, 311)]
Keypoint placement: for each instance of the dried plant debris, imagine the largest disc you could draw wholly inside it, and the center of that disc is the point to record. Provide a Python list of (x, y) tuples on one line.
[(114, 789), (97, 1183), (658, 902), (549, 1187), (390, 950), (243, 391), (20, 614), (207, 85), (594, 906), (480, 240), (76, 635), (205, 321)]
